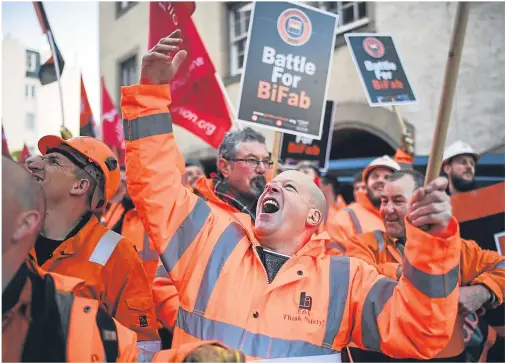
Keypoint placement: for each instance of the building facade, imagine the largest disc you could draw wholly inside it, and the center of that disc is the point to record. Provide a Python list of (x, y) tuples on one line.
[(422, 33), (30, 110)]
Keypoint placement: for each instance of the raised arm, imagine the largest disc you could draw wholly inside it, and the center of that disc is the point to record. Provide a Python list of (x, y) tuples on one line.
[(170, 213), (415, 316)]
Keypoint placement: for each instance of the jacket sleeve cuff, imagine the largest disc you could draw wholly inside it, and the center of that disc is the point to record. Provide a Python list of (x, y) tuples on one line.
[(144, 100), (431, 263), (493, 287)]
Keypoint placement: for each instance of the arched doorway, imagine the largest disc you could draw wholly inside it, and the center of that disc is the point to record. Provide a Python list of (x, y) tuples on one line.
[(350, 143)]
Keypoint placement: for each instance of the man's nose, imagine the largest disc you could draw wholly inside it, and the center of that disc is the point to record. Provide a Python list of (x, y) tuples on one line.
[(273, 187), (260, 168)]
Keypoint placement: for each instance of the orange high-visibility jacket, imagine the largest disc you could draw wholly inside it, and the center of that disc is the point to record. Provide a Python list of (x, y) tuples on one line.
[(477, 266), (166, 299), (356, 218), (134, 231), (113, 215), (315, 305), (114, 275), (83, 335)]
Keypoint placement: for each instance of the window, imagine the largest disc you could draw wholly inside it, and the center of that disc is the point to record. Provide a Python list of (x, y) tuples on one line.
[(30, 122), (33, 91), (239, 15), (352, 14), (127, 73), (128, 69), (123, 6), (32, 63), (27, 92)]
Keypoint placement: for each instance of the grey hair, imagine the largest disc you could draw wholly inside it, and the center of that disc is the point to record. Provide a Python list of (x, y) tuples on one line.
[(416, 176), (228, 148)]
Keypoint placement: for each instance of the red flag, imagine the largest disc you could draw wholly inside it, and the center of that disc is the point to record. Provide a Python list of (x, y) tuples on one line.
[(25, 154), (112, 126), (48, 70), (198, 103), (87, 122), (5, 147)]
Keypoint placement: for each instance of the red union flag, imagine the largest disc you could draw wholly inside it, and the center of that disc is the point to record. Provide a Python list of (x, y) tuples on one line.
[(25, 154), (112, 126), (198, 103), (87, 123)]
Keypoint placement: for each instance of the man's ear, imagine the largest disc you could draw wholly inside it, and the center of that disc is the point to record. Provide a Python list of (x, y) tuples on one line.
[(224, 167), (81, 186), (314, 218), (447, 169), (27, 224)]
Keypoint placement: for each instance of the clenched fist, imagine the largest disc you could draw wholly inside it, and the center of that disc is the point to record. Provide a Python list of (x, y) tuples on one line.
[(471, 298), (430, 207), (160, 65)]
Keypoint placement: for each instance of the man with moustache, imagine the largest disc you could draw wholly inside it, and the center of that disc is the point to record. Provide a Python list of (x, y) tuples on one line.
[(458, 163), (363, 215)]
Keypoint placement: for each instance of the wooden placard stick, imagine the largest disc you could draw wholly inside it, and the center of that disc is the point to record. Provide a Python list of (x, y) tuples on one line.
[(276, 151), (448, 89)]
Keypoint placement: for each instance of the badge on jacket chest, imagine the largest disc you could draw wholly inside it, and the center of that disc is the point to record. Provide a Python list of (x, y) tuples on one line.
[(143, 321), (304, 312)]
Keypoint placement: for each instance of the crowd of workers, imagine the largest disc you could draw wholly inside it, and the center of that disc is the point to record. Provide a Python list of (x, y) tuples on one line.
[(156, 262)]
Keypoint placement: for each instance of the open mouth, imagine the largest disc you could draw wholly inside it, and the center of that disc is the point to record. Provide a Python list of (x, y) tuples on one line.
[(270, 206)]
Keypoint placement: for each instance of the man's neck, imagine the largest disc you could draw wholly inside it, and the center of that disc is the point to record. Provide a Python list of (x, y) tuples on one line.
[(452, 190), (60, 220), (285, 247)]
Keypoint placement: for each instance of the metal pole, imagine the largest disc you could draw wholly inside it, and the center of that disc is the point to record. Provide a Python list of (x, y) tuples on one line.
[(57, 67)]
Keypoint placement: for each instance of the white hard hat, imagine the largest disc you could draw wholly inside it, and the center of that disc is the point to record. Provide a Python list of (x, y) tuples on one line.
[(459, 148), (382, 162)]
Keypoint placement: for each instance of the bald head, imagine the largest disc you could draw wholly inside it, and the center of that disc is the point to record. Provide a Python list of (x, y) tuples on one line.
[(316, 196), (22, 218), (20, 189)]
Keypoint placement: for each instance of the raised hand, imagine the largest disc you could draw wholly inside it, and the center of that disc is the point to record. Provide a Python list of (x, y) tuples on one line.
[(430, 207), (160, 65)]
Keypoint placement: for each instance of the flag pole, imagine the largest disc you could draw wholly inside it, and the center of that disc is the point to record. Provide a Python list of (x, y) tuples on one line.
[(57, 67), (229, 105)]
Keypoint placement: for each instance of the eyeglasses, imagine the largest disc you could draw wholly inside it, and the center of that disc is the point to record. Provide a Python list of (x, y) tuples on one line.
[(254, 163)]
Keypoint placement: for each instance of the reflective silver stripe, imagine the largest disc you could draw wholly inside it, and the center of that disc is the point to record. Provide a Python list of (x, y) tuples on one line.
[(104, 248), (434, 286), (161, 271), (354, 219), (222, 250), (186, 233), (147, 254), (339, 288), (252, 344), (379, 237), (336, 246), (500, 264), (375, 300), (138, 128)]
